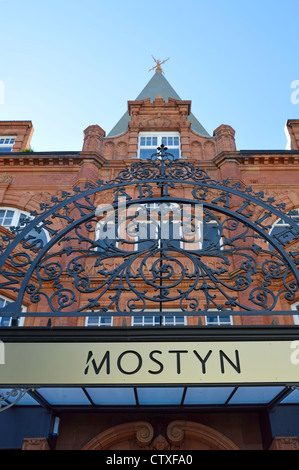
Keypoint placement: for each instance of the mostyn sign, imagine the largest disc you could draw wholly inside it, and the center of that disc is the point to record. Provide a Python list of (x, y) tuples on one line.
[(136, 363)]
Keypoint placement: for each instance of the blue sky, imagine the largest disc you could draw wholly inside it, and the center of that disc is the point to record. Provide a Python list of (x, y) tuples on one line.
[(68, 64)]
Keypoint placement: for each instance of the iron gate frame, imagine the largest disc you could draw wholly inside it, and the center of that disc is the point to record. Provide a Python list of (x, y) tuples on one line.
[(164, 172)]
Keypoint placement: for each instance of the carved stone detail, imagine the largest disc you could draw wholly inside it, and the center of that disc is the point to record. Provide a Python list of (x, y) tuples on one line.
[(35, 444), (6, 179), (285, 443), (177, 431), (178, 435)]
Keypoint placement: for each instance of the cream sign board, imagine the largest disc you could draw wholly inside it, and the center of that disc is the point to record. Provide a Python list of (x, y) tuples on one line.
[(133, 363)]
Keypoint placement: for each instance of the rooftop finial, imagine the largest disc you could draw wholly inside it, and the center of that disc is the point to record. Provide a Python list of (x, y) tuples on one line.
[(158, 67)]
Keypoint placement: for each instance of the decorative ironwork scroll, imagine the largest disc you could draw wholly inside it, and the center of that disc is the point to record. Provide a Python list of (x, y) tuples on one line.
[(237, 265), (11, 397)]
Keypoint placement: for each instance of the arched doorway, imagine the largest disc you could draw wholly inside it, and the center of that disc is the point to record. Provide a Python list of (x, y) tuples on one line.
[(140, 435)]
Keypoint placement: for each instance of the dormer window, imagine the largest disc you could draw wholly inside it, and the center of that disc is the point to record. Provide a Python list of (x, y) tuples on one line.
[(150, 141), (6, 143)]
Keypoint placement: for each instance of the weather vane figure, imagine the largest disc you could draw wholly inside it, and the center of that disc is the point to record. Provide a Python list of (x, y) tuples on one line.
[(158, 67)]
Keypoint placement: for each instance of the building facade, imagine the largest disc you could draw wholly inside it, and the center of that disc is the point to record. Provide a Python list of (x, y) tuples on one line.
[(72, 276)]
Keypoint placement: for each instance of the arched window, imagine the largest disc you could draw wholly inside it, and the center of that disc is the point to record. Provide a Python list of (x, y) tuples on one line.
[(11, 217)]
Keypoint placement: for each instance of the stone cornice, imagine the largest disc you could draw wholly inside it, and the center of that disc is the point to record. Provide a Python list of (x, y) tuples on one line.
[(49, 158), (259, 157)]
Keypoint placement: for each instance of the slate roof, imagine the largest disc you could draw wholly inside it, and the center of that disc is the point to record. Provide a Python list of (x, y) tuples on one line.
[(158, 84)]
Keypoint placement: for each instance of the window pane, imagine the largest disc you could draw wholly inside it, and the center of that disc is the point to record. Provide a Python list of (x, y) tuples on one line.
[(145, 320), (149, 320), (212, 320), (288, 236), (38, 236), (175, 153), (8, 218), (255, 395), (5, 321), (207, 395), (180, 320), (92, 321), (225, 319), (210, 236), (106, 321), (4, 301), (64, 396), (112, 396), (102, 245), (146, 153), (160, 396), (173, 320), (153, 141), (218, 320)]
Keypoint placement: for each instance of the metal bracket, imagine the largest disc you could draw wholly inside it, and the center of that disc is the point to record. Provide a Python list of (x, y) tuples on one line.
[(16, 394)]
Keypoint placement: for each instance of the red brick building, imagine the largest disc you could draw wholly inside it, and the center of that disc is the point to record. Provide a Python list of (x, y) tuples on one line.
[(170, 413)]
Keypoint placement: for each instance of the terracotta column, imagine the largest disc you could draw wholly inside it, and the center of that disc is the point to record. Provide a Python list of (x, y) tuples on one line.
[(225, 138)]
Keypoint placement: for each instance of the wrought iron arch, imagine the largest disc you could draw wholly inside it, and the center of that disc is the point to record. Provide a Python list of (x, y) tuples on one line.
[(74, 275)]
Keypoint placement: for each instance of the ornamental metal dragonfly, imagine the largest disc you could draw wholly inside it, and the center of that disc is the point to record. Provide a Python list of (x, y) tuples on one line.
[(106, 247)]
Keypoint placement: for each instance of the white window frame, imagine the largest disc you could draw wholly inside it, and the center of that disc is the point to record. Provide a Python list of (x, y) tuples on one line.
[(211, 223), (17, 213), (15, 218), (98, 319), (159, 136), (21, 320), (98, 231), (147, 320), (220, 321), (281, 223), (295, 306), (157, 314), (7, 145)]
